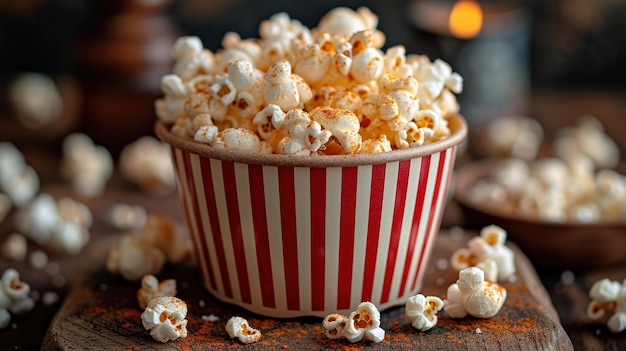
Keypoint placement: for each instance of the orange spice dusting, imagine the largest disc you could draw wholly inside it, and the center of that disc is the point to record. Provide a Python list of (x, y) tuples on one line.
[(93, 311)]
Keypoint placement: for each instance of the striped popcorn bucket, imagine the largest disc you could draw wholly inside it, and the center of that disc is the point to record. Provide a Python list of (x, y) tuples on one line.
[(289, 236)]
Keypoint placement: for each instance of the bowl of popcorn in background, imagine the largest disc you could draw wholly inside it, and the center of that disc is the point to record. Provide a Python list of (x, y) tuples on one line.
[(312, 165), (562, 200)]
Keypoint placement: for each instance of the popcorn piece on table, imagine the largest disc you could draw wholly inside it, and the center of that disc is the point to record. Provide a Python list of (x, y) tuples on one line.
[(145, 251), (608, 301), (238, 327), (14, 296), (489, 246), (151, 288), (334, 325), (364, 323), (86, 166), (516, 137), (57, 224), (147, 163), (473, 295), (165, 316), (422, 311)]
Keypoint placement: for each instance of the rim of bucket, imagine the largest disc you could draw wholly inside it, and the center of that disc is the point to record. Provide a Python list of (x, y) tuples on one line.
[(457, 124)]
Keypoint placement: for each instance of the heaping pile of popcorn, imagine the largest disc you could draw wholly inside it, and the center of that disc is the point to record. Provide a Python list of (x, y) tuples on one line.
[(321, 91)]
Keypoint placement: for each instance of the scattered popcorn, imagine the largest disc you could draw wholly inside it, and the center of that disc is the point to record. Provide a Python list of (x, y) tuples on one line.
[(18, 181), (14, 296), (15, 247), (489, 252), (514, 137), (364, 322), (608, 301), (210, 318), (334, 325), (127, 217), (57, 224), (473, 295), (50, 298), (151, 288), (145, 251), (238, 327), (478, 331), (422, 311), (352, 96), (85, 165), (147, 163), (165, 318)]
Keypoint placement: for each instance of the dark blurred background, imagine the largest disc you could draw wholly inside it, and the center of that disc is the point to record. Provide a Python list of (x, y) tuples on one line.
[(106, 57)]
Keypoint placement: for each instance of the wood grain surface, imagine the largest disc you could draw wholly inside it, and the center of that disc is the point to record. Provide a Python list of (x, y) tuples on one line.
[(101, 312)]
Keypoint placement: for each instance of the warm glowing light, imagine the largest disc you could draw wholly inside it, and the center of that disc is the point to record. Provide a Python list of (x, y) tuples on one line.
[(466, 19)]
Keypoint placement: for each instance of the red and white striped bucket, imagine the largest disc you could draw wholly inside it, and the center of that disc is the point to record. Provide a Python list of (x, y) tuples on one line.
[(287, 240)]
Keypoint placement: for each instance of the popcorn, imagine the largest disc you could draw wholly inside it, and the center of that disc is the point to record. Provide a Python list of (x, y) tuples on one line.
[(58, 224), (517, 137), (15, 247), (473, 295), (364, 322), (238, 327), (608, 299), (127, 217), (14, 296), (146, 250), (36, 100), (337, 65), (152, 288), (484, 249), (422, 311), (88, 167), (146, 162), (334, 325), (18, 181), (165, 316)]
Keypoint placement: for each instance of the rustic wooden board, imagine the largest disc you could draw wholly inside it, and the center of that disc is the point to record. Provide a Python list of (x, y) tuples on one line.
[(101, 312)]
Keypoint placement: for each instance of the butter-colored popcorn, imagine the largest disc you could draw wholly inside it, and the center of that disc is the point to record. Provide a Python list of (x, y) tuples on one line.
[(489, 246), (151, 288), (342, 124), (191, 58), (282, 36), (285, 89), (250, 84), (88, 167), (14, 296), (515, 136), (147, 163), (608, 301), (422, 310), (334, 325), (172, 105), (165, 316), (364, 323), (367, 61), (344, 22), (18, 181), (372, 146), (473, 295), (434, 77), (36, 99), (238, 327), (239, 139), (236, 48)]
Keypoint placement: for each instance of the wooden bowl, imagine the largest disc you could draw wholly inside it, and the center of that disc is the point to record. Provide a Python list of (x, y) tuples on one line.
[(562, 245)]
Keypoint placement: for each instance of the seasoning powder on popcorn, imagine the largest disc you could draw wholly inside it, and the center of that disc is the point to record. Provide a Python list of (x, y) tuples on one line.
[(322, 91)]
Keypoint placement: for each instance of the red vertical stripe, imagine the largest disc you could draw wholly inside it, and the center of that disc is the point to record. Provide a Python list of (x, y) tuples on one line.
[(318, 236), (202, 260), (264, 259), (290, 239), (204, 251), (209, 192), (429, 228), (346, 235), (236, 236), (419, 204), (373, 229), (396, 225)]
